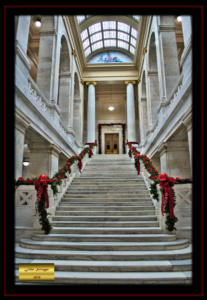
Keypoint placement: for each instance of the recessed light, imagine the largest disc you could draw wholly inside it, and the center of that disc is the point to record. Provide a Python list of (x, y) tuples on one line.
[(111, 108), (37, 23), (179, 19)]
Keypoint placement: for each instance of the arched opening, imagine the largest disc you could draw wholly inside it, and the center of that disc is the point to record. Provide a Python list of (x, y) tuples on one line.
[(144, 113), (33, 47), (154, 96), (64, 84), (77, 112)]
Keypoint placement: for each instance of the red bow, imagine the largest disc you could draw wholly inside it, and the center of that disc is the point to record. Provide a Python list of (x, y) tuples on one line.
[(41, 187)]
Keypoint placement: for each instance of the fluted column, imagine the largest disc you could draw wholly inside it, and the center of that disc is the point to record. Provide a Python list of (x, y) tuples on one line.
[(91, 114), (21, 124), (130, 111), (188, 124)]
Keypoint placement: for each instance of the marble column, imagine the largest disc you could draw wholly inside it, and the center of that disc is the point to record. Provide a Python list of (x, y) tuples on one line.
[(186, 58), (187, 29), (154, 98), (188, 124), (91, 114), (21, 124), (46, 60), (22, 63), (168, 53), (131, 125)]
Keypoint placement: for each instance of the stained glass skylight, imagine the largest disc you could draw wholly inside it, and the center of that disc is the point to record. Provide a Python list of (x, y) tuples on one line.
[(109, 34)]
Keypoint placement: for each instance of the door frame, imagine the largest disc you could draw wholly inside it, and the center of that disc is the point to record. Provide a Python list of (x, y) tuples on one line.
[(115, 133)]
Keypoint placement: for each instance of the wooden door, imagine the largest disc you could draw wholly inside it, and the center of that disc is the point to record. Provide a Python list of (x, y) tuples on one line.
[(112, 143)]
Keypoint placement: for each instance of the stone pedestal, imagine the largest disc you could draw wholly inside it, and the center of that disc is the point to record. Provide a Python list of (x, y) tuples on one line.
[(44, 160), (183, 210), (91, 114), (174, 159)]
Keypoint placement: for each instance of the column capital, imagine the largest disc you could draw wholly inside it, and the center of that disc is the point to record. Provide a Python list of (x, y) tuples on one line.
[(91, 82), (144, 50), (163, 148), (187, 121), (54, 149), (82, 82), (130, 81), (138, 80), (21, 122), (74, 53)]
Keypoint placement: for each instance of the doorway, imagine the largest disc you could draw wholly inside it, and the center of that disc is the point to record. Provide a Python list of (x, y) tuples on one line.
[(112, 143)]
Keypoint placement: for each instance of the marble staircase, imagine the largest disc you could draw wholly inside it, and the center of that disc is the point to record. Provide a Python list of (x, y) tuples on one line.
[(105, 231)]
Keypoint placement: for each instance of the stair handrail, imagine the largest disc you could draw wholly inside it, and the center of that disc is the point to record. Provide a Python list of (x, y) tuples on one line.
[(166, 185), (41, 183)]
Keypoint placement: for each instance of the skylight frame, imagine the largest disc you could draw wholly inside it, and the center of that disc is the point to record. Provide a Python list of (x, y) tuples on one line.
[(121, 35)]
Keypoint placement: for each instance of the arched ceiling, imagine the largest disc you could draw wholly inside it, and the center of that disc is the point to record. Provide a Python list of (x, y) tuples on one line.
[(108, 32)]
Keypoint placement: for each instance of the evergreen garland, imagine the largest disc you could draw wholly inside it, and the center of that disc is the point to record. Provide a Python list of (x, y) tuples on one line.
[(170, 222), (43, 215), (54, 182)]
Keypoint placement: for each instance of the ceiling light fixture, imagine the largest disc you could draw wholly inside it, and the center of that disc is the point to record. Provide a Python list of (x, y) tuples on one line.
[(37, 23), (26, 163), (179, 19), (111, 108)]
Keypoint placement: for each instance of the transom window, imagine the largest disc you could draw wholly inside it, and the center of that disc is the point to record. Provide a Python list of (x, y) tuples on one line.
[(105, 34)]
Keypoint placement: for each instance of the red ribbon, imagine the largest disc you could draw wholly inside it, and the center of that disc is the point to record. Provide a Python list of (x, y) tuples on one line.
[(90, 153), (41, 187), (80, 164), (167, 194), (138, 167)]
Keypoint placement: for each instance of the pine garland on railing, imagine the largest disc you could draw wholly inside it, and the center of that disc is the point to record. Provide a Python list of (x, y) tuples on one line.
[(41, 184), (166, 186)]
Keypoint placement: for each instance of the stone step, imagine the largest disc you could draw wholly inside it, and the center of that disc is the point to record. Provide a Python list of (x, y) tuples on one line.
[(109, 184), (107, 200), (59, 217), (104, 194), (104, 246), (105, 208), (116, 278), (105, 204), (106, 230), (105, 223), (106, 180), (103, 176), (112, 266), (107, 188), (105, 237), (179, 254), (107, 213)]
